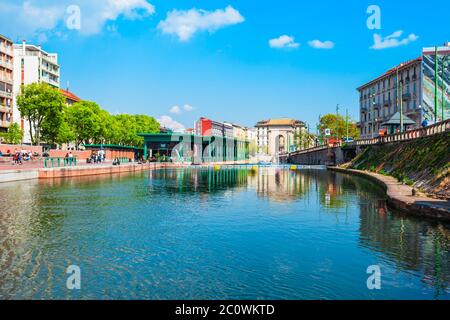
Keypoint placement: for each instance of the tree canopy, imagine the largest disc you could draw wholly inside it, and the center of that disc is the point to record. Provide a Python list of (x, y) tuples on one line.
[(14, 134), (85, 122), (337, 125), (42, 106), (91, 124)]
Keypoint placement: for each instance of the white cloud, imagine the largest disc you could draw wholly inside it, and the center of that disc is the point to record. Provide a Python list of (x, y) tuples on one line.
[(180, 110), (317, 44), (168, 122), (392, 41), (283, 41), (188, 108), (97, 13), (32, 18), (175, 110), (185, 23)]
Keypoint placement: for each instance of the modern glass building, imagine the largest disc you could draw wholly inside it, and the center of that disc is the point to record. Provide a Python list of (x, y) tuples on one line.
[(180, 147), (436, 83)]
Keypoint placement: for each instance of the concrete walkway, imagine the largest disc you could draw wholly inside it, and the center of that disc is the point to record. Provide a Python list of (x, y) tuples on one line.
[(401, 197), (18, 175)]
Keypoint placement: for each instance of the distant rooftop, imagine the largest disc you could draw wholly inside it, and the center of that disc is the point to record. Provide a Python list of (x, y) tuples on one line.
[(280, 122), (5, 38), (69, 95), (393, 70)]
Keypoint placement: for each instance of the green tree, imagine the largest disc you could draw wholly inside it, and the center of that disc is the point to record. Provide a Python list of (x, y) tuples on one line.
[(123, 129), (338, 127), (14, 135), (41, 105), (66, 133), (85, 119)]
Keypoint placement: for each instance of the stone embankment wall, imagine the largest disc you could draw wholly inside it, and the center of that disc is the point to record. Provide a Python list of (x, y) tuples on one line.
[(326, 156), (422, 163)]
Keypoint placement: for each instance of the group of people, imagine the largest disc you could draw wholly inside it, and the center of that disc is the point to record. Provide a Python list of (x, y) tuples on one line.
[(98, 157), (20, 156)]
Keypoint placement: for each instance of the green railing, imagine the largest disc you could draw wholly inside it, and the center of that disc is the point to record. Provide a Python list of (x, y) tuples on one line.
[(60, 162)]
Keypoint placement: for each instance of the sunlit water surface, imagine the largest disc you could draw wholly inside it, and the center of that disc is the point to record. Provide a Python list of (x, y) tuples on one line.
[(205, 234)]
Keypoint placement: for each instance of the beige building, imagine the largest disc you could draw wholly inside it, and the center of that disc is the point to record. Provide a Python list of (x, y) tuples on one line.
[(277, 136), (379, 101), (239, 132), (6, 83)]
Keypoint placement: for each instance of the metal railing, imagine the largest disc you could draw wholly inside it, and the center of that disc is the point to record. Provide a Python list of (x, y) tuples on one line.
[(60, 162), (437, 128), (6, 94)]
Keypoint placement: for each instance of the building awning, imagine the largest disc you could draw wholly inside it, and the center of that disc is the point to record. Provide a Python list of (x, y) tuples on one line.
[(111, 146), (395, 121), (173, 137)]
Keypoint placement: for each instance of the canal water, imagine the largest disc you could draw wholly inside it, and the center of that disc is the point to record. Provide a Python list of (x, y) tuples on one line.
[(236, 233)]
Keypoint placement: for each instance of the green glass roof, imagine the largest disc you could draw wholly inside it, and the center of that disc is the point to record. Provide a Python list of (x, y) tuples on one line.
[(111, 146)]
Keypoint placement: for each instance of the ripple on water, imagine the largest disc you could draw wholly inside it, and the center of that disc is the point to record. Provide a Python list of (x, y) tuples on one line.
[(198, 234)]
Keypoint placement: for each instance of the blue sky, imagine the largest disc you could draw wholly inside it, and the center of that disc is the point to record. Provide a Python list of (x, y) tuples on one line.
[(138, 56)]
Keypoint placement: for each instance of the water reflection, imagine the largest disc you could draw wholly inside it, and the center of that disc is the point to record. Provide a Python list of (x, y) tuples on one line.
[(145, 228), (413, 244)]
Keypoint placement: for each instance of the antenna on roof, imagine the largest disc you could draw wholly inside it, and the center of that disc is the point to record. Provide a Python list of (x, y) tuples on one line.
[(68, 86)]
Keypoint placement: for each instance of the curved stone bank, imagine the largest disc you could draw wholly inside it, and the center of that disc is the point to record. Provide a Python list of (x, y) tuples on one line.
[(401, 197)]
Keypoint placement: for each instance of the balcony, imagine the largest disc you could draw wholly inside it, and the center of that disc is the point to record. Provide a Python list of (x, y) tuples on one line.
[(51, 82), (5, 124), (7, 51), (5, 79), (7, 65), (377, 105), (5, 109), (406, 96), (364, 109), (50, 70), (6, 94)]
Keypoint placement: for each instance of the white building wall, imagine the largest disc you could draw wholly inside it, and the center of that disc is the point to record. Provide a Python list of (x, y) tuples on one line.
[(31, 74)]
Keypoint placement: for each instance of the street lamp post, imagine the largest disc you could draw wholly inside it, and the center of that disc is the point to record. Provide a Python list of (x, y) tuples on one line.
[(337, 123), (346, 124), (401, 106), (373, 114), (436, 83), (444, 65)]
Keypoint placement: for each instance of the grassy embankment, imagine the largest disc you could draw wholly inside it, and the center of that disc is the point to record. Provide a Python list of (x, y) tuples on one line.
[(423, 163)]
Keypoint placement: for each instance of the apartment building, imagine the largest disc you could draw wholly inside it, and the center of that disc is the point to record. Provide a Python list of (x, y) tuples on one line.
[(409, 88), (381, 98), (239, 132), (207, 127), (6, 83), (33, 65)]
